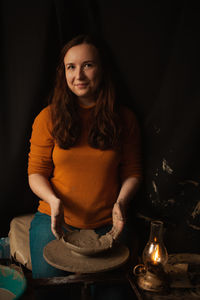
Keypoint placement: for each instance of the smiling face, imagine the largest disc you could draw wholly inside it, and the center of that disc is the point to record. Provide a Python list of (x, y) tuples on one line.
[(83, 72)]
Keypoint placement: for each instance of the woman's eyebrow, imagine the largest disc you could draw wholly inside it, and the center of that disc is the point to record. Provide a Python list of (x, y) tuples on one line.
[(93, 61), (70, 63), (84, 62)]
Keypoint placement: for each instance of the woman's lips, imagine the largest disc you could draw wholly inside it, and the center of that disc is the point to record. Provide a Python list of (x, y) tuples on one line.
[(81, 85)]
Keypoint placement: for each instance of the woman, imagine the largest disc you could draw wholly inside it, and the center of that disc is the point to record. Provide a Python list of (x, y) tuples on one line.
[(84, 160)]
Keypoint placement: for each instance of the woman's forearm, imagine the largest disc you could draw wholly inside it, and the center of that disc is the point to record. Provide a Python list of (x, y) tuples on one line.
[(128, 190), (41, 186)]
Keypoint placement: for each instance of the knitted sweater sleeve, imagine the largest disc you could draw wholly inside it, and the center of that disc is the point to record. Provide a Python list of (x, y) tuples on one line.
[(41, 145)]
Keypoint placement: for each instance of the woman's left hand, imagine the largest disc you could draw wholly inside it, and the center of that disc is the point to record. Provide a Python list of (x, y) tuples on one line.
[(127, 192), (119, 219)]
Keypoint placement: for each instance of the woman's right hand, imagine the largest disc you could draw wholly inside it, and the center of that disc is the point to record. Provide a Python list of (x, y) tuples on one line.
[(41, 186), (57, 217)]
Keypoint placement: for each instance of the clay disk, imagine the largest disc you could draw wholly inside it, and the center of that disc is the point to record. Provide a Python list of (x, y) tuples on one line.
[(61, 257)]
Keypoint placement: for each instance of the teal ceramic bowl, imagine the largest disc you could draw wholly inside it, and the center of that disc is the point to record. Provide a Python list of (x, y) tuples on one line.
[(11, 282)]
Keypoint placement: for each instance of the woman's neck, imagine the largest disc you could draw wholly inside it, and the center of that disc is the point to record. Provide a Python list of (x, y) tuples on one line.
[(86, 101)]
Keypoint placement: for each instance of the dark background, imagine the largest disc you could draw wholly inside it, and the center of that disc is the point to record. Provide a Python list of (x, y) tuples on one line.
[(156, 50)]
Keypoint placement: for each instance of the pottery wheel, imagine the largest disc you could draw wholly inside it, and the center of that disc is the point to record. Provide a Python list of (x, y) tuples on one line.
[(59, 256)]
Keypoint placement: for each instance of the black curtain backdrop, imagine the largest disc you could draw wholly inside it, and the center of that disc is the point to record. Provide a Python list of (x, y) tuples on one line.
[(155, 50)]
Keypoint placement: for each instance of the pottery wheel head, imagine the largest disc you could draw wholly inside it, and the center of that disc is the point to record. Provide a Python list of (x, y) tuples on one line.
[(87, 242)]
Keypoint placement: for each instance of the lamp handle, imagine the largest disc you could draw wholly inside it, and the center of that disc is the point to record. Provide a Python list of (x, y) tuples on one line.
[(139, 269)]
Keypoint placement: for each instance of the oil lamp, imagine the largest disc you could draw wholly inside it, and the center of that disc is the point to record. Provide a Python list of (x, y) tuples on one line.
[(151, 275)]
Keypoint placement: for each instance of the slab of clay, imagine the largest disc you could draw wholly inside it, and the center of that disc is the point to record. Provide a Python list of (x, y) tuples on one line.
[(87, 242), (61, 257)]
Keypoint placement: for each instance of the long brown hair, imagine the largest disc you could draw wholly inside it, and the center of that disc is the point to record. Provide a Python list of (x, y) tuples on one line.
[(105, 126)]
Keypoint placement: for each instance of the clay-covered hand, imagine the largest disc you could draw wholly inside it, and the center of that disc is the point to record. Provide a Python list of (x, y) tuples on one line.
[(119, 219), (57, 218)]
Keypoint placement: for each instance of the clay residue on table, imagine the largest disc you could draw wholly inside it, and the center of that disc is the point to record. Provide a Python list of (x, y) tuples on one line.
[(86, 238)]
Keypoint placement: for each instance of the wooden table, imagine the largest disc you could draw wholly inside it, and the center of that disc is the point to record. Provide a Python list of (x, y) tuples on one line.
[(184, 285)]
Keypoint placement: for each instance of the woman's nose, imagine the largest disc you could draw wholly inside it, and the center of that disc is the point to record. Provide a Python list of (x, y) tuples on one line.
[(80, 73)]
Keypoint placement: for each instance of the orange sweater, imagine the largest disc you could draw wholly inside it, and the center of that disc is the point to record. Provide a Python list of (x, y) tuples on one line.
[(87, 180)]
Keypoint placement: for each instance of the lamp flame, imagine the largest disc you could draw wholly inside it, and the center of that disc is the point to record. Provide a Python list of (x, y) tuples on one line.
[(156, 255)]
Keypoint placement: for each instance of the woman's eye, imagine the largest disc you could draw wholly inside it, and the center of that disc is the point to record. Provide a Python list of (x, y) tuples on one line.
[(86, 66), (70, 67)]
